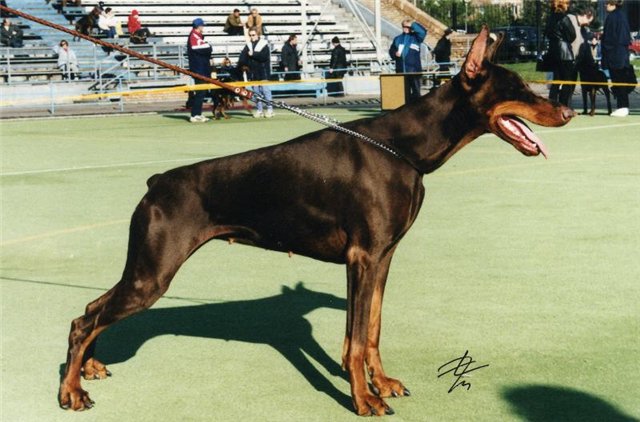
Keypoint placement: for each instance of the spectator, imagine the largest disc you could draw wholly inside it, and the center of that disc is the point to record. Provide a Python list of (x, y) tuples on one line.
[(137, 34), (199, 52), (233, 25), (67, 60), (337, 68), (568, 39), (255, 21), (442, 56), (616, 38), (107, 23), (405, 50), (559, 10), (10, 34), (256, 56), (290, 59)]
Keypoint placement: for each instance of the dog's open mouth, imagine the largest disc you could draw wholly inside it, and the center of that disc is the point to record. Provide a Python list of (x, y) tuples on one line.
[(521, 136)]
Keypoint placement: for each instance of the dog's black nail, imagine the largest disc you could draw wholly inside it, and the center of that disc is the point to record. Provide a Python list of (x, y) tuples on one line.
[(393, 393), (374, 389), (406, 392), (109, 373), (389, 411)]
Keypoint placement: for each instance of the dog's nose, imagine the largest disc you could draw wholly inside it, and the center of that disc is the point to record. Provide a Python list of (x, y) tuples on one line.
[(567, 113)]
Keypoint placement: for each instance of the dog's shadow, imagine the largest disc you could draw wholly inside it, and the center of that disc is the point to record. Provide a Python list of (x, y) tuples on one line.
[(277, 321)]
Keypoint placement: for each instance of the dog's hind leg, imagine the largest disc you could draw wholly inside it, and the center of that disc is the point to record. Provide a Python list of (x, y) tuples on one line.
[(159, 242)]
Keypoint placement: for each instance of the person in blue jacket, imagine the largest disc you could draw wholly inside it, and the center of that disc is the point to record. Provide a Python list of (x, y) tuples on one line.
[(405, 50), (199, 52), (616, 38)]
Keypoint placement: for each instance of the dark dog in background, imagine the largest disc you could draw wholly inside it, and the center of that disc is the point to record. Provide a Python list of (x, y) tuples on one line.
[(222, 101), (589, 71), (325, 195), (84, 25)]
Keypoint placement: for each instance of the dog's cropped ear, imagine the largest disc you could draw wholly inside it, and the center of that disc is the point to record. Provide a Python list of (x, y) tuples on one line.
[(493, 44), (473, 63)]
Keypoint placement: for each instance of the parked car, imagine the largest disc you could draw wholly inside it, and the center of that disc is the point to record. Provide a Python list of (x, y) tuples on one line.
[(520, 43), (634, 47)]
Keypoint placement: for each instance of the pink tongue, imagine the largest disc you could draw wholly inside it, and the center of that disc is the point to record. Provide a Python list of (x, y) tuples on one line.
[(531, 136)]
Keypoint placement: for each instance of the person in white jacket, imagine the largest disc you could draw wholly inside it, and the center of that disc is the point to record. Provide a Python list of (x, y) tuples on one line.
[(67, 60), (107, 23)]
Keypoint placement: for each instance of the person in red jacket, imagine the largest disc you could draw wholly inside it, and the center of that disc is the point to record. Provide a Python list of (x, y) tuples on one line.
[(199, 52), (137, 34)]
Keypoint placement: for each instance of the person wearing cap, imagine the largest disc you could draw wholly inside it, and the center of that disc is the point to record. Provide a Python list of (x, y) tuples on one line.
[(337, 68), (199, 52), (442, 55), (405, 50), (137, 34)]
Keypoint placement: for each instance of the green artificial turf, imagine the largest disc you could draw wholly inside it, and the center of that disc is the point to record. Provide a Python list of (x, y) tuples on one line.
[(529, 265)]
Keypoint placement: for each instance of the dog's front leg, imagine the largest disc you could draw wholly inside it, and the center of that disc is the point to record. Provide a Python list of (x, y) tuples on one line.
[(361, 272), (384, 386)]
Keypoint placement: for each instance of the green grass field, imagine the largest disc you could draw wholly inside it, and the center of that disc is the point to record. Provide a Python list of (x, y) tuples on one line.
[(529, 265)]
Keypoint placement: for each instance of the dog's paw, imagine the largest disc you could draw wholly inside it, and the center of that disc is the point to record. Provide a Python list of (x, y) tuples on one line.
[(389, 387), (74, 399), (93, 369), (370, 405)]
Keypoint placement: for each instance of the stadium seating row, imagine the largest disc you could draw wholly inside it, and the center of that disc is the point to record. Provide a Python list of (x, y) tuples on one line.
[(169, 21)]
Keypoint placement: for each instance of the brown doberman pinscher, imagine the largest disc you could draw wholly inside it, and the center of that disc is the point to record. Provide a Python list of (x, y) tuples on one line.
[(325, 195)]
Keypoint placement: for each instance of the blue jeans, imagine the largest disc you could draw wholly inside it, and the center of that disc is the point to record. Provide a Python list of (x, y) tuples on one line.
[(265, 92), (111, 32)]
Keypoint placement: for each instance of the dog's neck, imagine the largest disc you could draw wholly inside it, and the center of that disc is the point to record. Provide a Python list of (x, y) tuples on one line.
[(433, 128)]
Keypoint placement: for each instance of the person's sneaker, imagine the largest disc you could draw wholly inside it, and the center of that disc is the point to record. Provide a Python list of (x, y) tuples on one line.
[(269, 114), (198, 119), (621, 112), (257, 114)]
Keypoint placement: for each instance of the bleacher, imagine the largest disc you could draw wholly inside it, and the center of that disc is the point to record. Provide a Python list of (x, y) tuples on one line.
[(170, 23), (34, 61), (28, 64)]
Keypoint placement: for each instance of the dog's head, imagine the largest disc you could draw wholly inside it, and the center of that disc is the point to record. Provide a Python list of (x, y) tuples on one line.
[(503, 99)]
